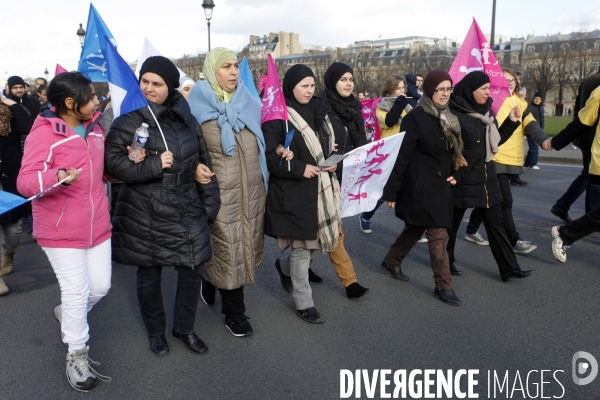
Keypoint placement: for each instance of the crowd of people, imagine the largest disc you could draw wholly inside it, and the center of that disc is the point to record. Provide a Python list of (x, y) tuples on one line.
[(212, 181)]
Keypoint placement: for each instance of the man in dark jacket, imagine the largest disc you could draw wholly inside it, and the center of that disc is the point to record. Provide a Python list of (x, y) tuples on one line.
[(536, 108), (412, 91), (24, 111), (584, 142)]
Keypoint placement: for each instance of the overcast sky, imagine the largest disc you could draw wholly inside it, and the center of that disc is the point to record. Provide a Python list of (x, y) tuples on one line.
[(36, 34)]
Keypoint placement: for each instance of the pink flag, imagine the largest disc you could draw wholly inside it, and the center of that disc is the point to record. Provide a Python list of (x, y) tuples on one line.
[(369, 109), (273, 102), (475, 54), (59, 70)]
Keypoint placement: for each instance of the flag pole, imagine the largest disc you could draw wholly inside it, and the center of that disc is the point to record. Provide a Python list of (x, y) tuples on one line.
[(512, 96), (286, 131), (43, 192), (159, 128)]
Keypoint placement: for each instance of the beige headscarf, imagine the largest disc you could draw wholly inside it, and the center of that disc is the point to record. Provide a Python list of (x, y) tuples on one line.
[(215, 60)]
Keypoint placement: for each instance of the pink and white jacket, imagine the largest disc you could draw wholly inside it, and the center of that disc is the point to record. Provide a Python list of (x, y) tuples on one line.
[(74, 216)]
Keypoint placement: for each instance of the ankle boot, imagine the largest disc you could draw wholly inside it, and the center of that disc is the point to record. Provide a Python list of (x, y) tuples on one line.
[(3, 288), (8, 258)]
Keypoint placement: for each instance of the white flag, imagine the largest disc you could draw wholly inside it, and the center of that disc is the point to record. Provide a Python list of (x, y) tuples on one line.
[(366, 171), (148, 51)]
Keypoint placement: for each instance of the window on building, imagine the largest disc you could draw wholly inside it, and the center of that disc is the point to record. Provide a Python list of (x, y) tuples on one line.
[(380, 63), (392, 62), (360, 63), (368, 63), (596, 45), (531, 49), (514, 60)]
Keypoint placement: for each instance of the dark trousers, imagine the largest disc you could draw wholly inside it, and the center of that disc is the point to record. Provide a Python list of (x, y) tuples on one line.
[(507, 201), (149, 294), (368, 215), (438, 240), (532, 155), (232, 301), (578, 186), (494, 227), (580, 227)]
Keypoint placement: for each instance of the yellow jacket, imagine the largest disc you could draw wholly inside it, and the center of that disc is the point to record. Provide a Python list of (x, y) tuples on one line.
[(588, 115), (387, 131), (512, 152)]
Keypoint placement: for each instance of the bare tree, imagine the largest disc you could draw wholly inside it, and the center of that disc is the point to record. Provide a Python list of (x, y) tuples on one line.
[(540, 69), (563, 63)]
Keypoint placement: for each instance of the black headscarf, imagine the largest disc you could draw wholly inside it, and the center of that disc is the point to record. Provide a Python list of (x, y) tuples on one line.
[(164, 68), (292, 77), (347, 108), (465, 88)]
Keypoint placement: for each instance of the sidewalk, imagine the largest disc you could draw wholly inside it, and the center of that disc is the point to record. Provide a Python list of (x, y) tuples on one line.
[(568, 155)]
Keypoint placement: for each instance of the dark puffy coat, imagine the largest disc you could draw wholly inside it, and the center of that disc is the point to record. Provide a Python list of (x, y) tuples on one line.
[(291, 208), (342, 138), (161, 216), (478, 183), (418, 182), (11, 153)]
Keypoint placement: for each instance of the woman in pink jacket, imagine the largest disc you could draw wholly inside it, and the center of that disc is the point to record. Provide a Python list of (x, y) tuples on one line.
[(71, 222)]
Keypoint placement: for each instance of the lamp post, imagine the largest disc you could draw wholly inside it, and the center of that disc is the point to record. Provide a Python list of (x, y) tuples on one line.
[(81, 34), (46, 74), (493, 39), (208, 6)]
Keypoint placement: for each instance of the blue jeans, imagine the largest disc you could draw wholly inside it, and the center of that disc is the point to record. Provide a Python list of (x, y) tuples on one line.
[(368, 215), (578, 186), (532, 155)]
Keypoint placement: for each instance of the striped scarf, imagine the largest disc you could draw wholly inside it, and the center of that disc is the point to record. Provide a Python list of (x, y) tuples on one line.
[(329, 199)]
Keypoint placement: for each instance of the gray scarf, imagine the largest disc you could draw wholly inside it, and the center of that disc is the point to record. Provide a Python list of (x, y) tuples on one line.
[(492, 136), (450, 127)]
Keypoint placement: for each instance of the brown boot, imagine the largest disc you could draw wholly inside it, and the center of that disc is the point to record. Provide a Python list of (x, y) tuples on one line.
[(3, 287), (8, 258)]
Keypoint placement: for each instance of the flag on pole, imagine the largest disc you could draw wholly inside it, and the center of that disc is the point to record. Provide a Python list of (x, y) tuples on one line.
[(92, 61), (475, 54), (59, 70), (124, 88), (366, 171), (273, 102), (369, 110), (8, 201), (148, 50), (246, 77)]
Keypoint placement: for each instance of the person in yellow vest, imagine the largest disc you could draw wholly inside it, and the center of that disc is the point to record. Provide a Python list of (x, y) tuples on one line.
[(394, 105), (508, 161), (564, 236)]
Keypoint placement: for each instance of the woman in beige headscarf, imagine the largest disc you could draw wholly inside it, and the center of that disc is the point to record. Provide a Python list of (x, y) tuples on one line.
[(230, 120)]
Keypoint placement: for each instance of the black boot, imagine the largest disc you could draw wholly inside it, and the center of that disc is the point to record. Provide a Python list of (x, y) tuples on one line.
[(286, 281), (518, 273), (355, 291), (447, 296), (159, 345), (312, 277), (395, 271), (454, 270)]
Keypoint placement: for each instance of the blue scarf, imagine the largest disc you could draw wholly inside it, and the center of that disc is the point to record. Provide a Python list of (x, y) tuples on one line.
[(242, 111)]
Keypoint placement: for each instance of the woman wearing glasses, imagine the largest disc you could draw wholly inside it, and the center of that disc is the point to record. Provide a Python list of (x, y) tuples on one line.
[(508, 161), (420, 185)]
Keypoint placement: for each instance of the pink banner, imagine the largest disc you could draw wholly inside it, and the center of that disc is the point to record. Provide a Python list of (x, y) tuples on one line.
[(59, 70), (475, 54), (369, 108), (273, 102)]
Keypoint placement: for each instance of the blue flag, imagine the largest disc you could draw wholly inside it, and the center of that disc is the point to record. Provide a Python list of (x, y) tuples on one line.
[(8, 201), (246, 77), (124, 88), (92, 61)]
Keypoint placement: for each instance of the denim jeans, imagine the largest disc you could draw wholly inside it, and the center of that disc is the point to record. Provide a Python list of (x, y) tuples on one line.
[(11, 234), (577, 187), (532, 155), (368, 215)]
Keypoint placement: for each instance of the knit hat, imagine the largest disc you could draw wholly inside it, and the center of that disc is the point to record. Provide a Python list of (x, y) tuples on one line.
[(164, 68), (538, 94), (433, 79), (215, 60), (15, 80)]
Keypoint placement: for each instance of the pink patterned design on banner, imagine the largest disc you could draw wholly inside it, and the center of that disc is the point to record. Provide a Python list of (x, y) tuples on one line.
[(369, 107), (273, 102), (475, 54)]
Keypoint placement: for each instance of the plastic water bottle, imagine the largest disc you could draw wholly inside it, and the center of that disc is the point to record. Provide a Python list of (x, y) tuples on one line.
[(139, 141)]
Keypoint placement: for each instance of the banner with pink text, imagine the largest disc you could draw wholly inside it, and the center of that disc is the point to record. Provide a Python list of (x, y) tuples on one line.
[(366, 171), (369, 107)]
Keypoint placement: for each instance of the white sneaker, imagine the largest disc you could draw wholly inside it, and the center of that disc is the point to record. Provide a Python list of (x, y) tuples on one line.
[(558, 247), (423, 240), (535, 167), (523, 247), (58, 315), (80, 374)]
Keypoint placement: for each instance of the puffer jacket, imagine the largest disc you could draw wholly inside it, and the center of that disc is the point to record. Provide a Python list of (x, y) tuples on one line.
[(478, 184), (73, 216), (161, 216), (237, 234)]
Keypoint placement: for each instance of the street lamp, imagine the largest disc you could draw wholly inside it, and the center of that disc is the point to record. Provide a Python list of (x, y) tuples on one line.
[(46, 74), (208, 6), (81, 34)]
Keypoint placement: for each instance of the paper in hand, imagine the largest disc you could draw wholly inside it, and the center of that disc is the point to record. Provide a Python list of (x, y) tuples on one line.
[(333, 160)]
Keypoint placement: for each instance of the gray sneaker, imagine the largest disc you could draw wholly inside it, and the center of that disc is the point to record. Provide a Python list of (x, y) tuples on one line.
[(477, 239), (523, 247), (58, 316), (80, 374)]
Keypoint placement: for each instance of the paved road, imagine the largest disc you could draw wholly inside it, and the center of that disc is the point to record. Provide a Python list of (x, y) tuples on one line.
[(519, 326)]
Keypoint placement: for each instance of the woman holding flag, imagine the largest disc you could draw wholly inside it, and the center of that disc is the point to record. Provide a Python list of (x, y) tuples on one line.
[(71, 221), (303, 202), (230, 118)]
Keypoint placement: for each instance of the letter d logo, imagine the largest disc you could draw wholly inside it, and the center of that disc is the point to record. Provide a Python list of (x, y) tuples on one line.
[(583, 367)]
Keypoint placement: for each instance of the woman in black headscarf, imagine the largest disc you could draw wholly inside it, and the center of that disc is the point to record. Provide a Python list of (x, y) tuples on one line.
[(345, 114), (303, 201), (478, 185)]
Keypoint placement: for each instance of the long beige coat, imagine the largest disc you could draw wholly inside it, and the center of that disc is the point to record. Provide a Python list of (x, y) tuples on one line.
[(237, 235)]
